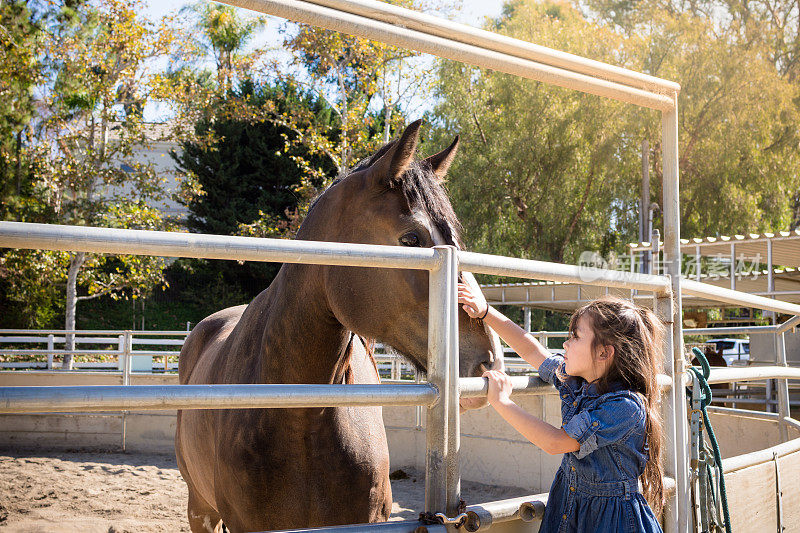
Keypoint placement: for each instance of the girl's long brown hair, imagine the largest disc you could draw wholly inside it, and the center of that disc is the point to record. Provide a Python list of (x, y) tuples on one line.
[(637, 336)]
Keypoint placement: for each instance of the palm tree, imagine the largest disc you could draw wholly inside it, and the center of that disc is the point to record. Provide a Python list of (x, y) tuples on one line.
[(226, 33)]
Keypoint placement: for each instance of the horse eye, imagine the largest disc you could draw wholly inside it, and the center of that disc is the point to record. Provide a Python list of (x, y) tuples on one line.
[(409, 239)]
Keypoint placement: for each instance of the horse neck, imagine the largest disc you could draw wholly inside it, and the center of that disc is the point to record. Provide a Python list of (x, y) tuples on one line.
[(302, 342)]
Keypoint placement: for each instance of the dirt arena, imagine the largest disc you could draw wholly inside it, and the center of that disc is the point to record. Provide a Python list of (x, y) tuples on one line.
[(57, 492)]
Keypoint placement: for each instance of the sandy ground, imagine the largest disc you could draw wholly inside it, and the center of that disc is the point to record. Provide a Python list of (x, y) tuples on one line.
[(58, 492)]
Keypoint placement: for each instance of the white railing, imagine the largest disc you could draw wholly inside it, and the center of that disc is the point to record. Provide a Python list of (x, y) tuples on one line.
[(123, 342)]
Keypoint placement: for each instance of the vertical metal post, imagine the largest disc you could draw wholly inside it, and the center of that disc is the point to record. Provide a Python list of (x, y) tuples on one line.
[(127, 347), (678, 519), (698, 262), (417, 408), (733, 266), (526, 313), (633, 269), (655, 263), (783, 389), (440, 296), (770, 280), (672, 421), (51, 345), (767, 396), (453, 411), (644, 201)]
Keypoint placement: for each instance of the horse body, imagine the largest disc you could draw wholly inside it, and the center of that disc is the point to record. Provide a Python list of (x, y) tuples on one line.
[(261, 469)]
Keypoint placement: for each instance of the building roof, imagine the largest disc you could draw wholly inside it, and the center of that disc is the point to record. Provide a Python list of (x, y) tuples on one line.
[(753, 249), (785, 246)]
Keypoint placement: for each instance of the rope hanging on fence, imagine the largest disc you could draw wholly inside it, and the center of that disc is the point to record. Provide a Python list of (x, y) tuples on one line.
[(702, 377)]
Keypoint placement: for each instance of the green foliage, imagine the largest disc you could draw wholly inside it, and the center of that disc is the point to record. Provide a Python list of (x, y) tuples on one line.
[(250, 166), (547, 173), (737, 63), (195, 289), (90, 78), (543, 172), (20, 70), (252, 173)]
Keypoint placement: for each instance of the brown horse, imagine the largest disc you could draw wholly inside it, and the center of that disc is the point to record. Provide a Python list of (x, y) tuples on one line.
[(262, 469)]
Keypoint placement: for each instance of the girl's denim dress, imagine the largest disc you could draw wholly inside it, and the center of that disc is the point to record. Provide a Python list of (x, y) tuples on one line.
[(596, 488)]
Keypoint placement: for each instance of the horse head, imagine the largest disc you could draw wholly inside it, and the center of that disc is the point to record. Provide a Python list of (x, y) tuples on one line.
[(391, 198)]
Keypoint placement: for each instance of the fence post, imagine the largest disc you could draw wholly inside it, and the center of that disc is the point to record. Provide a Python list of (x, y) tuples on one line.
[(439, 487), (51, 345), (768, 395), (783, 389), (453, 395), (127, 347), (675, 460)]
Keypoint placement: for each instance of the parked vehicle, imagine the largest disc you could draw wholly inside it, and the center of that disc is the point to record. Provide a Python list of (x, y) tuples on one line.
[(736, 352)]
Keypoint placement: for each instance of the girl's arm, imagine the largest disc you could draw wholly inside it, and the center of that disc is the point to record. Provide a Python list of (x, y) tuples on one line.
[(518, 339), (549, 438)]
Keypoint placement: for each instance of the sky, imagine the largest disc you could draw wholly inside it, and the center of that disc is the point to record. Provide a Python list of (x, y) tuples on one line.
[(472, 12)]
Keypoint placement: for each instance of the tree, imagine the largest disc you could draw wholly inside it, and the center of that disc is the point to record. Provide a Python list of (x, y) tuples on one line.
[(20, 49), (224, 34), (355, 76), (543, 172), (548, 173), (93, 90), (737, 63), (253, 175)]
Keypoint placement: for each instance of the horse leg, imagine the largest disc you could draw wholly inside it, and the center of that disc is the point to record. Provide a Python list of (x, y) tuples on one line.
[(202, 517)]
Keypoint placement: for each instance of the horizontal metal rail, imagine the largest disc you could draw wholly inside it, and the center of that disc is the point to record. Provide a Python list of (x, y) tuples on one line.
[(720, 294), (454, 31), (404, 37), (750, 373), (160, 397), (730, 330), (115, 332), (173, 244), (528, 385), (530, 269), (405, 526), (484, 515), (523, 385)]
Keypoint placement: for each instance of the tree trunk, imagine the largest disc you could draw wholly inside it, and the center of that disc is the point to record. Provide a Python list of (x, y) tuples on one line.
[(75, 263), (18, 164), (345, 164), (387, 111)]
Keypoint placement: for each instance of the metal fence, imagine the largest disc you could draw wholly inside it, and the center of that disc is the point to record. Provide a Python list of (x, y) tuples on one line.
[(440, 394), (408, 29)]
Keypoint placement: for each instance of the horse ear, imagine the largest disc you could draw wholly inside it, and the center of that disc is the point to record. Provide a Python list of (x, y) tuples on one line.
[(399, 157), (440, 163)]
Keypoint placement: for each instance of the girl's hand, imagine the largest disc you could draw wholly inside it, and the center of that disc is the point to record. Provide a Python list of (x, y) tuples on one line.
[(474, 305), (499, 387)]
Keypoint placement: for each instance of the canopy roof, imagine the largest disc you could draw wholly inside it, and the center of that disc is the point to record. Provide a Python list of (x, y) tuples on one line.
[(751, 253)]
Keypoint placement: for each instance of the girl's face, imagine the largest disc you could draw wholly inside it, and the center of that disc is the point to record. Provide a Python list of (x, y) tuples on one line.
[(578, 355)]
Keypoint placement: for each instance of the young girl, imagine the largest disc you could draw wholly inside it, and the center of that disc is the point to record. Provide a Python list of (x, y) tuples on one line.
[(611, 427)]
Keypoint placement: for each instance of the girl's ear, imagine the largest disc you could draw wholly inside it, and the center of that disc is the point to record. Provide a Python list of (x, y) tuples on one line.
[(608, 352)]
